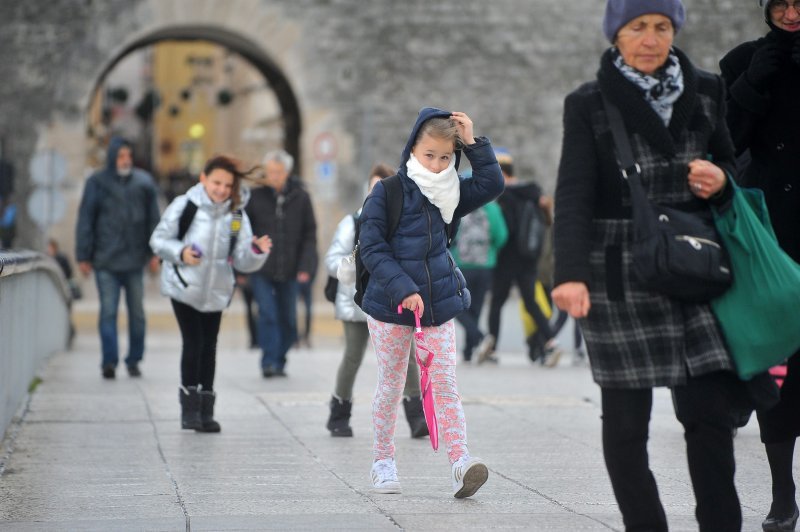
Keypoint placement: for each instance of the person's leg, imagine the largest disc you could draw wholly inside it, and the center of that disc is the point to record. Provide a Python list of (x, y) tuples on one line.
[(269, 334), (469, 318), (304, 290), (286, 295), (501, 287), (356, 336), (391, 343), (252, 325), (526, 281), (134, 300), (703, 406), (208, 354), (190, 324), (441, 341), (626, 419), (108, 288), (780, 427)]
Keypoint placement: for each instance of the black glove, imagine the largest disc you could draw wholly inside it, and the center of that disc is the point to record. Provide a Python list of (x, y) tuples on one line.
[(764, 65)]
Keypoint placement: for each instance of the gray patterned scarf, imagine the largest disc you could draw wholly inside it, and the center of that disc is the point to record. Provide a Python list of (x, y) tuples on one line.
[(661, 89)]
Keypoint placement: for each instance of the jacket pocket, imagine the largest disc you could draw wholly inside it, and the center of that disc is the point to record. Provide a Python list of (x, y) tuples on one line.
[(615, 287)]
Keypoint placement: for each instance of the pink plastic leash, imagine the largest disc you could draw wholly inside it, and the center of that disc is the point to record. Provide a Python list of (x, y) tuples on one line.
[(428, 405)]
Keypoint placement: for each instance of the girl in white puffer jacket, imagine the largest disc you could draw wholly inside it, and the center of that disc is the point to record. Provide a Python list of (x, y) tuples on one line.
[(197, 275)]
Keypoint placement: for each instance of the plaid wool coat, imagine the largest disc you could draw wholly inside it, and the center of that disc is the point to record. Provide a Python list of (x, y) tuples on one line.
[(636, 338)]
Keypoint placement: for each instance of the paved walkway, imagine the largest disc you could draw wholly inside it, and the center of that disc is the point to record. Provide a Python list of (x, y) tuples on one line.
[(109, 455)]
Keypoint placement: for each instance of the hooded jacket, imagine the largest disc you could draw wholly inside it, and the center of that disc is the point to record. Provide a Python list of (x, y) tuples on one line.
[(288, 218), (416, 258), (207, 286), (116, 217), (341, 246)]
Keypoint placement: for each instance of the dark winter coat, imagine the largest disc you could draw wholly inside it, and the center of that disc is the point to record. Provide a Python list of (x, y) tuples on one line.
[(416, 258), (768, 124), (288, 218), (116, 217), (636, 338)]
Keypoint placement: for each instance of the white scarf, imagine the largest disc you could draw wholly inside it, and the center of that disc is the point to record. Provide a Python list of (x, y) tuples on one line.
[(442, 189)]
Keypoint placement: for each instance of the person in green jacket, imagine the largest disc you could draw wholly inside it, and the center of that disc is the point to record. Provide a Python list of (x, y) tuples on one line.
[(481, 234)]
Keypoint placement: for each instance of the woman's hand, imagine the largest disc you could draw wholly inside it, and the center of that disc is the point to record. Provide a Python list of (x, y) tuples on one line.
[(413, 302), (190, 256), (464, 125), (572, 297), (705, 178), (264, 243)]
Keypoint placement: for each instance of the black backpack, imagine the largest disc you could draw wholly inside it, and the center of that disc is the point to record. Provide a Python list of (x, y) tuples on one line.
[(531, 229), (394, 204)]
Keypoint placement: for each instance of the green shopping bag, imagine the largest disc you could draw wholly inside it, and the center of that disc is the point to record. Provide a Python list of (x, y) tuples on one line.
[(757, 312)]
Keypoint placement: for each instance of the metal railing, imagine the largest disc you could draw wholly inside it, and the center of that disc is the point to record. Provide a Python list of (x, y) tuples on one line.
[(34, 323)]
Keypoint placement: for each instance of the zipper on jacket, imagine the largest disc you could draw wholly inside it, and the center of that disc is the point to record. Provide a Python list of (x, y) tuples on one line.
[(180, 277), (697, 242), (427, 269), (453, 271)]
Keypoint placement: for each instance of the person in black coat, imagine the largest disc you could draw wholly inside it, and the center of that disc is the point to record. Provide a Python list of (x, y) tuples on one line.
[(639, 339), (763, 79), (282, 210)]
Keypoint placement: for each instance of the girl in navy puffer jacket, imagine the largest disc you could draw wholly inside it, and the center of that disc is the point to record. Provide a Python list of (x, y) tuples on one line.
[(413, 270)]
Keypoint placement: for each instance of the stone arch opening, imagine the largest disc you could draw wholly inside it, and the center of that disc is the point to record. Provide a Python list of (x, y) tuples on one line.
[(289, 120)]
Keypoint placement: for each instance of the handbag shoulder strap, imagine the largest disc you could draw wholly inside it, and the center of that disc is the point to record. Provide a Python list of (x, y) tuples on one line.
[(626, 162)]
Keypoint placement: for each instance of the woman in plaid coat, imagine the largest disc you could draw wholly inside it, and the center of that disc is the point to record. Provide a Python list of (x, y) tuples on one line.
[(638, 339)]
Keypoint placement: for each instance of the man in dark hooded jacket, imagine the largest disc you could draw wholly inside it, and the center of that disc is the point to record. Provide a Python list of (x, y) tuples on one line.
[(283, 211), (118, 212)]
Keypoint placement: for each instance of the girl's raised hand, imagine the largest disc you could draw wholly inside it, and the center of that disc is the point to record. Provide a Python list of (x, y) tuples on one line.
[(464, 124), (263, 243)]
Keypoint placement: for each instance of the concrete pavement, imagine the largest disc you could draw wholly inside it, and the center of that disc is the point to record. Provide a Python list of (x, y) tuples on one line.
[(90, 454)]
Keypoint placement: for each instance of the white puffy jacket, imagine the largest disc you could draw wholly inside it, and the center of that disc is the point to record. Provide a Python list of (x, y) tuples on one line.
[(341, 246), (208, 286)]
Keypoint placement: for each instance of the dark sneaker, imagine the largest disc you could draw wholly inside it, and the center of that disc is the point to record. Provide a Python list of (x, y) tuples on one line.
[(109, 372), (280, 373), (267, 372), (134, 371)]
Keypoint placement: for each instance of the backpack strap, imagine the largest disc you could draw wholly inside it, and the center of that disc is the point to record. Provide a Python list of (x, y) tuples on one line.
[(236, 226), (186, 219), (394, 202)]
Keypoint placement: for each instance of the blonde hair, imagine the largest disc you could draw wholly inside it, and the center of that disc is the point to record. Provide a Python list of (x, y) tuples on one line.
[(440, 128)]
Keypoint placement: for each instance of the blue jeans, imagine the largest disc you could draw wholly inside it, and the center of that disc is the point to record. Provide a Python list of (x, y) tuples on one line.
[(109, 285), (277, 318)]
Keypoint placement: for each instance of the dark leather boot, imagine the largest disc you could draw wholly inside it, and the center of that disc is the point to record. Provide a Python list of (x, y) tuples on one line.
[(415, 416), (190, 407), (339, 420), (207, 423)]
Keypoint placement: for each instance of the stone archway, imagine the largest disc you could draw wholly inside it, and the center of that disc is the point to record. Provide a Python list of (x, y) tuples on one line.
[(277, 81)]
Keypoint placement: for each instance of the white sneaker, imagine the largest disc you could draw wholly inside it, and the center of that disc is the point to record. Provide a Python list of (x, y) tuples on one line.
[(469, 474), (484, 349), (384, 476)]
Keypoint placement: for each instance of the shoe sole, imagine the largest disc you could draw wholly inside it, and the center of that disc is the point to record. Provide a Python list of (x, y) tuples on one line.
[(387, 490), (475, 477)]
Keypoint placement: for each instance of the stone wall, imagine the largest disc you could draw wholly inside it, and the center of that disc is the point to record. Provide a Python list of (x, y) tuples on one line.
[(360, 70)]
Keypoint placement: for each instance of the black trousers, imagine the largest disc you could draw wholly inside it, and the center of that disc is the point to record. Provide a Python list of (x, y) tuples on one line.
[(199, 331), (703, 406), (782, 423), (524, 276)]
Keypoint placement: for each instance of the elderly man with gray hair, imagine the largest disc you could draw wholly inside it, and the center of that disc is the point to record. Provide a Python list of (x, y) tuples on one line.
[(283, 210)]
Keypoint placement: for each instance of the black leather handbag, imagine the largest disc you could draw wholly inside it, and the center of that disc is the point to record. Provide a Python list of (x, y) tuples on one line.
[(676, 253)]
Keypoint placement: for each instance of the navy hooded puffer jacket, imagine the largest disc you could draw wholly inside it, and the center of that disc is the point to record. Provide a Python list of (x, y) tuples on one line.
[(416, 258)]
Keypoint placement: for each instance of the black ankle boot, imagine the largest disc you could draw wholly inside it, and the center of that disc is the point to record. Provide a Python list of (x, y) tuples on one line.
[(415, 416), (207, 423), (781, 524), (339, 420), (190, 407)]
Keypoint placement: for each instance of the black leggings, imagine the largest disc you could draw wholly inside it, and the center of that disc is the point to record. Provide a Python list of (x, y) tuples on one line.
[(199, 331), (703, 407), (782, 423)]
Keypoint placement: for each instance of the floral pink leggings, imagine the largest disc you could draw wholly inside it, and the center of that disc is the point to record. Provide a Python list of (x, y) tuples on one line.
[(391, 343)]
